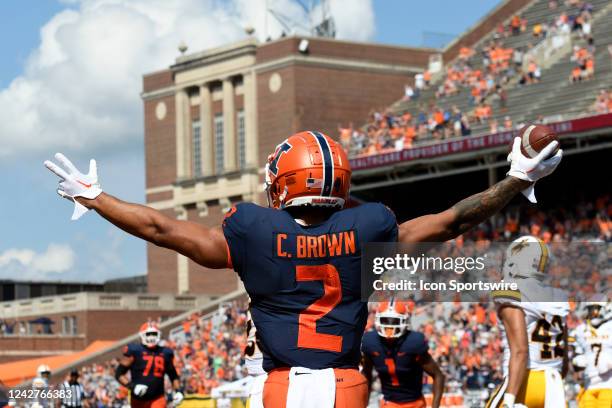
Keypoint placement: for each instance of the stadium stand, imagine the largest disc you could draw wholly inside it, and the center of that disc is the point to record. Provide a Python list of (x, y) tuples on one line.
[(500, 82)]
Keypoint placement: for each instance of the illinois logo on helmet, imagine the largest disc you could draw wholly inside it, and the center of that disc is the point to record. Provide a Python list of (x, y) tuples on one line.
[(150, 335), (392, 319), (526, 257), (308, 168)]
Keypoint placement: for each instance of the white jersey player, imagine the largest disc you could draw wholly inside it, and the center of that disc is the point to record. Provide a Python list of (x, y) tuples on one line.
[(533, 329), (40, 388), (593, 349), (254, 365)]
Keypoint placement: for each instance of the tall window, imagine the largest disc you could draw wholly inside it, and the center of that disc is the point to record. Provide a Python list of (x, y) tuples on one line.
[(241, 139), (196, 131), (218, 125)]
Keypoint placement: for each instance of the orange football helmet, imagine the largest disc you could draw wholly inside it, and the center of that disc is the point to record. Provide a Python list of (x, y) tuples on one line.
[(150, 335), (308, 168), (392, 319)]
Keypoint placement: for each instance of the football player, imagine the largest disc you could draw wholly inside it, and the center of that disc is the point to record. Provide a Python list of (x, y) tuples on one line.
[(148, 363), (40, 384), (593, 339), (400, 356), (254, 364), (299, 259), (534, 330)]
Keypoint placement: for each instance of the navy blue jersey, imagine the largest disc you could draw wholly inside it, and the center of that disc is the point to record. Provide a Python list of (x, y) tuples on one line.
[(305, 282), (149, 367), (401, 375)]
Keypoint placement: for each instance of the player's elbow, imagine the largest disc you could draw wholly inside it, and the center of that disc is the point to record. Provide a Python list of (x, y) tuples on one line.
[(519, 354), (439, 378), (120, 372), (159, 232)]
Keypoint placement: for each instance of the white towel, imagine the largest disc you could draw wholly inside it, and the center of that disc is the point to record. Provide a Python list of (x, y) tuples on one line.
[(311, 388), (555, 393), (256, 392)]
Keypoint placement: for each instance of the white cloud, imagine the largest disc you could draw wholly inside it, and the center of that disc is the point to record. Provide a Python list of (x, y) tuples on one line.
[(24, 263), (80, 88)]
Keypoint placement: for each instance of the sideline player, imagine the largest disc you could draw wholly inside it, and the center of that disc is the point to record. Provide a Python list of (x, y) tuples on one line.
[(253, 361), (534, 331), (593, 340), (41, 386), (300, 258), (399, 355), (148, 362)]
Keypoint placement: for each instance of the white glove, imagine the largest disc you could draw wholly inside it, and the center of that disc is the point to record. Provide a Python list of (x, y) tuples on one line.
[(580, 361), (533, 169), (74, 183), (177, 398), (605, 363), (140, 389), (509, 402)]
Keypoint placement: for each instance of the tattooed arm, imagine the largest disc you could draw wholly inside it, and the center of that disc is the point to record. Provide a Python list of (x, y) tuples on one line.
[(463, 216)]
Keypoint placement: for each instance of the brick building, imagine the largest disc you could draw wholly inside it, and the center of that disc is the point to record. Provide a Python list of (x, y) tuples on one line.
[(52, 325), (212, 118)]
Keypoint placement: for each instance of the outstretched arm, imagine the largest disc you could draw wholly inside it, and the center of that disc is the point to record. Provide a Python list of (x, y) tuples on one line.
[(468, 213), (463, 216), (203, 245)]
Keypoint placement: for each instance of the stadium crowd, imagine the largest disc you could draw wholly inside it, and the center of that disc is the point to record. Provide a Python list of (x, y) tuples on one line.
[(603, 102), (481, 76), (463, 337)]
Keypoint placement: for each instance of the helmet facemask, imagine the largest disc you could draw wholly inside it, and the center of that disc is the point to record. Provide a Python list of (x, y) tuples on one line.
[(151, 337), (391, 325)]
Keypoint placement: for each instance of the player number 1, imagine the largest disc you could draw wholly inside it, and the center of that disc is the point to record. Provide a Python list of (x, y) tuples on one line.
[(390, 363)]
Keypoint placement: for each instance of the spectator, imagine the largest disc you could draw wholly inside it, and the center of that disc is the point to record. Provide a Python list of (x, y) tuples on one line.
[(427, 77), (507, 123), (419, 82), (483, 112), (346, 135), (576, 75), (537, 30), (515, 25), (408, 93)]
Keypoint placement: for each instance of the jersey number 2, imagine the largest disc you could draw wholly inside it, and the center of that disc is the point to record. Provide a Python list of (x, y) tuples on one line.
[(332, 294)]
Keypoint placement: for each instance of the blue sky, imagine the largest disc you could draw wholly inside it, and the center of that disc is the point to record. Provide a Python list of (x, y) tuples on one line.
[(70, 79)]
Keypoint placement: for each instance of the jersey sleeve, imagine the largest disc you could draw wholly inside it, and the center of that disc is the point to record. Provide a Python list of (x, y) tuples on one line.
[(419, 344), (382, 222), (235, 227), (130, 350), (508, 297), (365, 344)]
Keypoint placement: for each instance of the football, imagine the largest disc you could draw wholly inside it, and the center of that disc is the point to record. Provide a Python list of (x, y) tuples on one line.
[(534, 138)]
